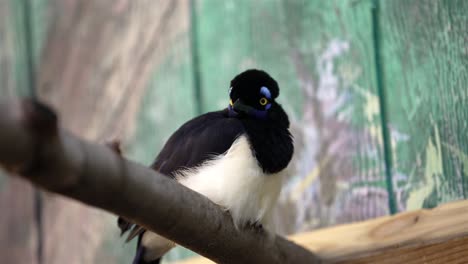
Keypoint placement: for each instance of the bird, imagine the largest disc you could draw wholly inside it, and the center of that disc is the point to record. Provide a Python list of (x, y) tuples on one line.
[(237, 157)]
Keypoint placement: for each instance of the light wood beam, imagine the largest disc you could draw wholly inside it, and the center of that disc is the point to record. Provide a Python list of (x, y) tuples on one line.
[(438, 235)]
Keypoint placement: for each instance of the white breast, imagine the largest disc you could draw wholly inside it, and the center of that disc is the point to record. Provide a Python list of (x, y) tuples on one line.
[(235, 181)]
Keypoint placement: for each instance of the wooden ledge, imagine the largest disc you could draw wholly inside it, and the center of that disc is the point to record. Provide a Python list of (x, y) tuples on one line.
[(438, 235)]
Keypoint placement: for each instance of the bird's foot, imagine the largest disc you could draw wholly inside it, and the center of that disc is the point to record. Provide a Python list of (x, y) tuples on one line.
[(124, 225), (256, 226), (114, 145)]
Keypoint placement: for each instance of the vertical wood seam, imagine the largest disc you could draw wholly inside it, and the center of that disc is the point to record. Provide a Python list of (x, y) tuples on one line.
[(194, 50), (31, 83), (383, 107), (28, 39)]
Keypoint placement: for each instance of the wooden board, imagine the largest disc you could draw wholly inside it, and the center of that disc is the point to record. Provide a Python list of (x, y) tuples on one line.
[(106, 55), (453, 251), (169, 101), (19, 238), (321, 52), (94, 61), (434, 236), (425, 65)]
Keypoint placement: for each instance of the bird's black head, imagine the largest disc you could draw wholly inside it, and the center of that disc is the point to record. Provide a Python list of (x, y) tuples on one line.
[(252, 94)]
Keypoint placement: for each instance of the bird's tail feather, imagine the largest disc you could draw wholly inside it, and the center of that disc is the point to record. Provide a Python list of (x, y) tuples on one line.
[(140, 260), (139, 256)]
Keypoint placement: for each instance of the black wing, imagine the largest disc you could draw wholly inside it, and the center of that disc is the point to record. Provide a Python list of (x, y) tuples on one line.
[(196, 141)]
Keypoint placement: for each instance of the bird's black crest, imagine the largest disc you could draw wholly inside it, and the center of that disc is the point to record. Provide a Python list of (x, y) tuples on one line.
[(248, 83)]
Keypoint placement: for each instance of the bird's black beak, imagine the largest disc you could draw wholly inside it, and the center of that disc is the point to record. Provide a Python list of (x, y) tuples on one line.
[(240, 107)]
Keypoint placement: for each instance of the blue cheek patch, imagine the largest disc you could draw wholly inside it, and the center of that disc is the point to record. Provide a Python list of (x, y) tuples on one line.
[(232, 112), (265, 92), (250, 111)]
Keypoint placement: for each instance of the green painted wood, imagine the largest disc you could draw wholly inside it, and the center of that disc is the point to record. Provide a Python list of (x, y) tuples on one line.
[(19, 228), (125, 45), (12, 58), (171, 99), (383, 106), (425, 65), (321, 52), (169, 102)]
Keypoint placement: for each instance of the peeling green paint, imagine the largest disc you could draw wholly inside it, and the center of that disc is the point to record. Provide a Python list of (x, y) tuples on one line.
[(425, 76), (432, 174), (371, 105), (460, 155)]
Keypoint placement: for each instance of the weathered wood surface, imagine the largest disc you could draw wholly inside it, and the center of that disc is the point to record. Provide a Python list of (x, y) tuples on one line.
[(321, 53), (94, 66), (7, 51), (437, 235), (169, 101), (453, 251), (18, 222), (425, 64), (106, 54), (103, 61)]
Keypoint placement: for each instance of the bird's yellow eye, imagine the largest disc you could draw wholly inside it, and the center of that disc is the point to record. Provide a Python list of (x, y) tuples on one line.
[(263, 101)]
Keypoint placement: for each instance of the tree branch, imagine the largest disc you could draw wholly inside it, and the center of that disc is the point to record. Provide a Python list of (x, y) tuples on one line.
[(33, 146)]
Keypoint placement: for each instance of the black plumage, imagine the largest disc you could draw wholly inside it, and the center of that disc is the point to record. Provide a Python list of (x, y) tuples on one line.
[(198, 140), (252, 112)]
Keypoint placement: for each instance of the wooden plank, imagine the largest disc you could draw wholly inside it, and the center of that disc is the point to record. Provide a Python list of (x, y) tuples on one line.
[(18, 223), (12, 53), (453, 251), (321, 54), (7, 52), (106, 51), (438, 235), (425, 62), (94, 62), (417, 227), (18, 226), (169, 102)]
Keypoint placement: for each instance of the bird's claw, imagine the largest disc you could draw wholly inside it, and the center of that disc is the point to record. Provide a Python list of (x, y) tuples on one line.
[(114, 145), (123, 224), (256, 226)]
